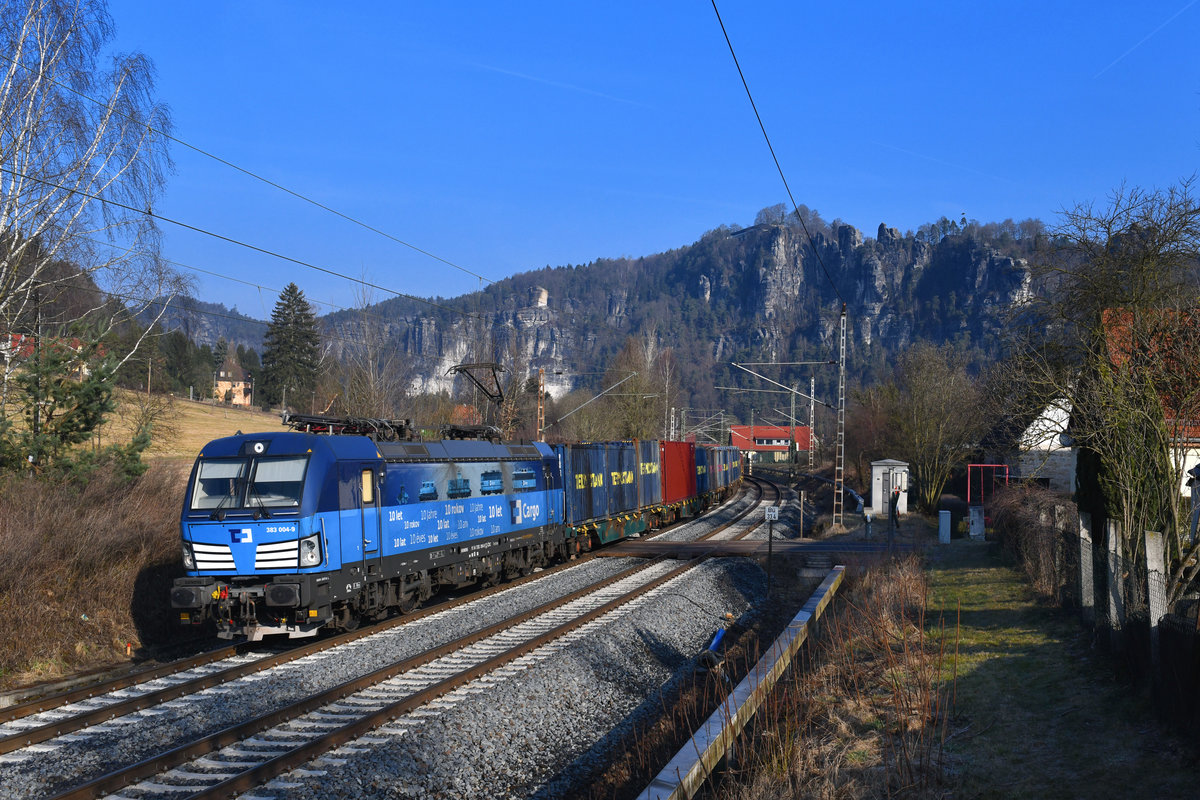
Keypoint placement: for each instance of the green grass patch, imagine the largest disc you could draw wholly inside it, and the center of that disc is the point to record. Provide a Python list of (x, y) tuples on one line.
[(1036, 710)]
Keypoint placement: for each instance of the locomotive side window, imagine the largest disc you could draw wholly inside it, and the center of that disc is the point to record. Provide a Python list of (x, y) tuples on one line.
[(368, 486), (219, 483)]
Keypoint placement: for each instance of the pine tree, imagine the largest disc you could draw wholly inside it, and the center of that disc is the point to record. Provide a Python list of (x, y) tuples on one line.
[(64, 390), (291, 348)]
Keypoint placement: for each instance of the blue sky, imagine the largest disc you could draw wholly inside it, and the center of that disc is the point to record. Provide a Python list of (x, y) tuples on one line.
[(507, 137)]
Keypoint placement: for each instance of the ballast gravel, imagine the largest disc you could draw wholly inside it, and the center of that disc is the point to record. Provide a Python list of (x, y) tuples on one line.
[(56, 765), (540, 731), (52, 767)]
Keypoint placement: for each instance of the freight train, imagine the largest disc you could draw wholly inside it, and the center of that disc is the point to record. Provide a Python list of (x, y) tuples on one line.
[(289, 531)]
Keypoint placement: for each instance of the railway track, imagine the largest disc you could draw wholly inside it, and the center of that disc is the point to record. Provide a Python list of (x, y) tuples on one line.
[(95, 703), (241, 757), (228, 664)]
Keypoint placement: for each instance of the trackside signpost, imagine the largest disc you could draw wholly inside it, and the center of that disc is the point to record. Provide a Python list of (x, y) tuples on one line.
[(772, 515)]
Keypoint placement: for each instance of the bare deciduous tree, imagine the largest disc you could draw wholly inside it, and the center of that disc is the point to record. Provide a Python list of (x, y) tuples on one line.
[(373, 370), (83, 156), (934, 419), (1113, 333), (638, 406)]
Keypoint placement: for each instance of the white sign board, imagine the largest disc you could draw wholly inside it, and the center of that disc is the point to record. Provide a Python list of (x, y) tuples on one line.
[(772, 513)]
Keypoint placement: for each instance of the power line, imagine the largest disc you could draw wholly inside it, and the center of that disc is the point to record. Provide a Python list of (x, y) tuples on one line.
[(258, 177), (326, 303), (242, 281), (775, 158), (240, 243), (240, 318), (148, 302)]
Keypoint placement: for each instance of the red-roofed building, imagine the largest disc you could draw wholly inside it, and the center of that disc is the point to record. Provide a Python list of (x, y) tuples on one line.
[(19, 348), (770, 442)]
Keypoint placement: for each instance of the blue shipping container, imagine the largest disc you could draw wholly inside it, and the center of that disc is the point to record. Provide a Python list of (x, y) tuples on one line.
[(649, 477), (622, 476)]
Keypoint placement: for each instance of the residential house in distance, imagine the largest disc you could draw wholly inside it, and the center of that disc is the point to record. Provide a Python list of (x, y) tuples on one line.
[(1044, 454), (18, 348), (770, 443), (232, 384)]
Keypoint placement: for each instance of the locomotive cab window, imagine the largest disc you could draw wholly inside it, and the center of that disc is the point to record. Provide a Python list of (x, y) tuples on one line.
[(219, 483), (368, 486), (277, 482), (233, 483)]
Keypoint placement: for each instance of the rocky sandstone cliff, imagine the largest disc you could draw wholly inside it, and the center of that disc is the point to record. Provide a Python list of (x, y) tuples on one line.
[(762, 293)]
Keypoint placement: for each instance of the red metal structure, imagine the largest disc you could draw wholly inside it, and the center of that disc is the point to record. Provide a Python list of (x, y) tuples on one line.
[(986, 488)]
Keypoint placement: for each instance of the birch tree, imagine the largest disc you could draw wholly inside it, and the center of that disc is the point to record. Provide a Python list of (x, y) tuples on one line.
[(83, 157)]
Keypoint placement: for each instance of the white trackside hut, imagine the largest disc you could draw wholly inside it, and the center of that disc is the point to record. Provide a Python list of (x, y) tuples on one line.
[(886, 476)]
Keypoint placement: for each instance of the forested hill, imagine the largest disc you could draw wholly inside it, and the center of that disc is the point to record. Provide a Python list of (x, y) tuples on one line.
[(757, 294), (206, 323)]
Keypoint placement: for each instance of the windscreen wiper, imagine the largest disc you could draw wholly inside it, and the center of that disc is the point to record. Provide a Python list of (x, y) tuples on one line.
[(261, 512), (219, 512)]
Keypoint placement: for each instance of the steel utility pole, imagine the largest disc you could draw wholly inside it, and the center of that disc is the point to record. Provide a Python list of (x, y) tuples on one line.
[(792, 454), (812, 418), (541, 412), (839, 466)]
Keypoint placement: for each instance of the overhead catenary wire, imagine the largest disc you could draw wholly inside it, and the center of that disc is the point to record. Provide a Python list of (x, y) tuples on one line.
[(256, 176), (238, 242), (796, 208), (359, 312), (326, 333), (249, 320)]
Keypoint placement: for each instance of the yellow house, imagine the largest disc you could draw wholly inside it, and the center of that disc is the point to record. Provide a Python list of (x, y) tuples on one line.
[(232, 384)]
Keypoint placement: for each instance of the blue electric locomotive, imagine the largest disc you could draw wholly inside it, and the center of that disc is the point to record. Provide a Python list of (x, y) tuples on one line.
[(285, 532)]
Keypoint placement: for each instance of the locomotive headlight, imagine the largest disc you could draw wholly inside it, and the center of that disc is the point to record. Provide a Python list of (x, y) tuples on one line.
[(310, 551), (189, 560)]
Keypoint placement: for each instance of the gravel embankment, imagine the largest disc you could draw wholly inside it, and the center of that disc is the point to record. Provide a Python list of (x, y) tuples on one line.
[(535, 731), (58, 764)]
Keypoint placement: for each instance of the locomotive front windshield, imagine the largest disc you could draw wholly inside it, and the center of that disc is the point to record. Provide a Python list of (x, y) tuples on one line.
[(230, 483)]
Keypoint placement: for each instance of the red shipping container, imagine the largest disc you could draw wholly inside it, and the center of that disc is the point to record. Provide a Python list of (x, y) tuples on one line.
[(678, 464)]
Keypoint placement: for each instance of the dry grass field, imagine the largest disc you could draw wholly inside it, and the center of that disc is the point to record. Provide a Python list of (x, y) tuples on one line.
[(89, 564), (182, 426)]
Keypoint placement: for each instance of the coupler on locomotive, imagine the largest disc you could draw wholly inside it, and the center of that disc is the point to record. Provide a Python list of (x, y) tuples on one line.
[(295, 605)]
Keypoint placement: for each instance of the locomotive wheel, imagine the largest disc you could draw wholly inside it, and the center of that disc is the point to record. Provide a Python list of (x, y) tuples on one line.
[(408, 602)]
